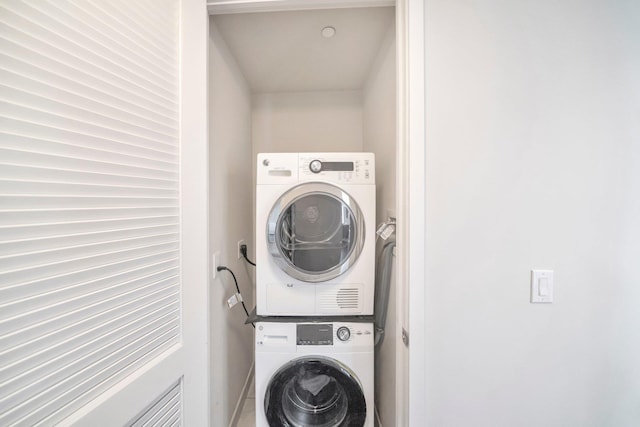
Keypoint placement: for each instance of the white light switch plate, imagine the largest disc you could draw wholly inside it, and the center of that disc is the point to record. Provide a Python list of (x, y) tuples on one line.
[(541, 286)]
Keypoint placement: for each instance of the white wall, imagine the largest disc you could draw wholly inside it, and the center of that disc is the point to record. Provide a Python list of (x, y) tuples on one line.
[(379, 137), (307, 121), (231, 220), (379, 123), (533, 161)]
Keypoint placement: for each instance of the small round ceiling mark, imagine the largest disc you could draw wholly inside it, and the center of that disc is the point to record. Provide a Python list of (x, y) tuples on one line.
[(328, 32)]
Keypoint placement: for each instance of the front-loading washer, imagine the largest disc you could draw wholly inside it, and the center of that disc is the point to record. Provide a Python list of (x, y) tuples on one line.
[(315, 234), (314, 374)]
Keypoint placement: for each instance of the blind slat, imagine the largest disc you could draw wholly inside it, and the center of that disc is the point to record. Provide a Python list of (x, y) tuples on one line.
[(71, 112), (42, 353), (38, 131), (84, 389), (17, 114), (66, 227), (52, 283), (165, 414), (123, 282), (41, 174), (123, 34), (41, 377), (31, 85), (86, 88), (106, 37), (61, 60), (36, 188), (46, 201), (102, 300), (53, 155), (75, 48), (53, 256), (149, 33), (82, 322), (26, 246), (89, 200), (24, 218), (166, 401), (105, 367), (82, 262)]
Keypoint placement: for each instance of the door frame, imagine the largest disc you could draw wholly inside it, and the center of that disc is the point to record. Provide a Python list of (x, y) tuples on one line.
[(411, 214), (410, 185), (194, 179)]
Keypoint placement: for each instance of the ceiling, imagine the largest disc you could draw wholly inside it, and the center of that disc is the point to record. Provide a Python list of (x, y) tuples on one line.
[(285, 51)]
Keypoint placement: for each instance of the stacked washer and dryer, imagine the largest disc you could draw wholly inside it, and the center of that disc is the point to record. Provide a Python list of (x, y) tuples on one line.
[(315, 255)]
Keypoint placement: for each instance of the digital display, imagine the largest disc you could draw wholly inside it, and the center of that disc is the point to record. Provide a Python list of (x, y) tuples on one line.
[(337, 166), (314, 334)]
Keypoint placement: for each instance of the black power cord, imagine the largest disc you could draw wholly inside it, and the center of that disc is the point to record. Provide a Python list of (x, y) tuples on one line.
[(221, 268), (243, 251)]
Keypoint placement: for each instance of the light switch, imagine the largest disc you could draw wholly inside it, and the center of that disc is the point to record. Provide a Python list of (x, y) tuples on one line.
[(541, 286)]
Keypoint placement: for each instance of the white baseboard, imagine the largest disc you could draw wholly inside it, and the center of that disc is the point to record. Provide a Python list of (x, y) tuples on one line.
[(243, 394)]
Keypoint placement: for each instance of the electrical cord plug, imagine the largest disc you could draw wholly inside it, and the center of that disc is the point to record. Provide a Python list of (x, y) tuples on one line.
[(243, 251)]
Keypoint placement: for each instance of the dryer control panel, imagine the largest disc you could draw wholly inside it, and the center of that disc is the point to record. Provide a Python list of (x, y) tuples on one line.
[(347, 168), (339, 168)]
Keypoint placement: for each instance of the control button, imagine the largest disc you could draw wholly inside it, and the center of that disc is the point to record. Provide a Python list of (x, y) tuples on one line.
[(315, 166), (343, 333)]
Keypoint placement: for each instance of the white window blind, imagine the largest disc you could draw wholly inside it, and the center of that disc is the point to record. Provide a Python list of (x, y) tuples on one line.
[(89, 203)]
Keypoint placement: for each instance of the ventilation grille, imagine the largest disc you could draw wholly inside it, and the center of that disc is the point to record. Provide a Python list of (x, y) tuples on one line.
[(344, 299), (165, 411)]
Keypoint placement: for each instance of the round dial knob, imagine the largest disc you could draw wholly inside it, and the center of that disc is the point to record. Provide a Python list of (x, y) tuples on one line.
[(315, 166), (343, 333)]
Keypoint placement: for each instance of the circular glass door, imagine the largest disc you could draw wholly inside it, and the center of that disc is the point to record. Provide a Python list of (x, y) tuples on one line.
[(315, 232), (315, 392)]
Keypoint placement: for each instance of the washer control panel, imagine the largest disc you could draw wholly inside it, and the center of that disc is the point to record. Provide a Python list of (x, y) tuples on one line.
[(314, 337), (330, 333), (314, 334)]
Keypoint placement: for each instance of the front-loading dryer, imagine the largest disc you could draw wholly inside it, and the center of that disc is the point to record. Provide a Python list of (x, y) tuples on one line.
[(315, 234), (314, 374)]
